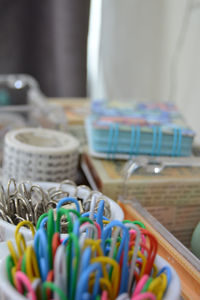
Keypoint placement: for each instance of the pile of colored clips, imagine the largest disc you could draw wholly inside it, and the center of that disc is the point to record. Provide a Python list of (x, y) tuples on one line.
[(96, 259), (28, 201)]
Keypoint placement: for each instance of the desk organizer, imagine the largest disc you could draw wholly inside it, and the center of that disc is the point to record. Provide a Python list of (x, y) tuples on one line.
[(56, 191), (7, 292), (116, 252)]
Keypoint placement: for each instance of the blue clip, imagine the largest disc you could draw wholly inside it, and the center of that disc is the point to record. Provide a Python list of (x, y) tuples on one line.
[(41, 250), (66, 200), (168, 272), (82, 287), (123, 246), (64, 242), (87, 214), (76, 227), (99, 218), (43, 223), (85, 261)]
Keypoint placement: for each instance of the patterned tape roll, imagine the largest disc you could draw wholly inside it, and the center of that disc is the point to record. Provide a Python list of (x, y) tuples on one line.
[(40, 154)]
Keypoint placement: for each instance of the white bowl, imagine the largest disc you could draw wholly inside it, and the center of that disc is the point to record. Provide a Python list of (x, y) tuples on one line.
[(174, 290), (8, 292), (7, 230)]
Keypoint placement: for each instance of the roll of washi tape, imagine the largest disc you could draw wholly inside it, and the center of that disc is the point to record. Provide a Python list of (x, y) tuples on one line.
[(40, 154)]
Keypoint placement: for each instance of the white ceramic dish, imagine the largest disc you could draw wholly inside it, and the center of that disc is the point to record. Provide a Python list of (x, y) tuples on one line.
[(8, 292), (7, 230), (174, 290), (4, 250)]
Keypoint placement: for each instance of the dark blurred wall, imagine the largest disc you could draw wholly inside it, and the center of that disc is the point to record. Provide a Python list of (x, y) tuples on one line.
[(48, 40)]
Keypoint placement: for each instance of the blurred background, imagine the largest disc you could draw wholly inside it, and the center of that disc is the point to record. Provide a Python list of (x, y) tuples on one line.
[(146, 50)]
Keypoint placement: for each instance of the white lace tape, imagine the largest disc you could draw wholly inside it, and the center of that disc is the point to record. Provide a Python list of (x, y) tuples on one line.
[(40, 154)]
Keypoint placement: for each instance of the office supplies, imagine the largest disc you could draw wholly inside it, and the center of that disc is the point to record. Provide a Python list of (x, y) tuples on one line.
[(23, 104), (41, 250), (60, 273), (120, 129), (32, 269), (22, 281), (134, 256), (40, 154), (146, 295), (186, 264), (88, 270), (170, 196), (38, 197)]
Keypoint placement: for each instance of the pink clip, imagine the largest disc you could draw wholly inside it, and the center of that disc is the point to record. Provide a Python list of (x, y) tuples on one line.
[(99, 229), (140, 285), (144, 296), (22, 281), (104, 295)]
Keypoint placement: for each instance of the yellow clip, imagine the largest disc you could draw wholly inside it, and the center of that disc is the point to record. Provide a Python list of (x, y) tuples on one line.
[(28, 223), (13, 253), (32, 268), (104, 260)]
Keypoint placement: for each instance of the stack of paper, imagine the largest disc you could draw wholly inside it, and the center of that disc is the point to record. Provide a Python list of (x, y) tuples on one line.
[(120, 129)]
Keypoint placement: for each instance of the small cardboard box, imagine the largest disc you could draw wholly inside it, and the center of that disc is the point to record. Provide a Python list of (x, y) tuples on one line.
[(172, 197)]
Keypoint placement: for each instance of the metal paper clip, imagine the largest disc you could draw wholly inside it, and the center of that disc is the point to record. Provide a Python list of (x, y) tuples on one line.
[(27, 201)]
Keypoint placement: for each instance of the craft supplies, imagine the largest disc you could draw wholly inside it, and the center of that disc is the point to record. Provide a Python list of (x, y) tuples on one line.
[(41, 196), (119, 129), (181, 259), (170, 196), (40, 154), (27, 201), (88, 268)]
